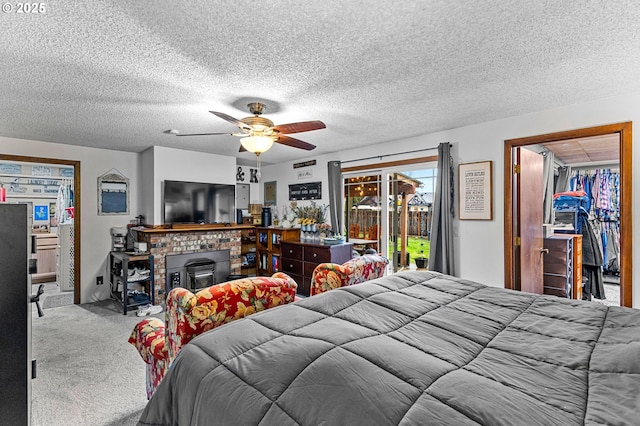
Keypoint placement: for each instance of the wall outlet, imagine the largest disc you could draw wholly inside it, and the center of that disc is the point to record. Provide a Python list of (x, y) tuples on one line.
[(99, 280)]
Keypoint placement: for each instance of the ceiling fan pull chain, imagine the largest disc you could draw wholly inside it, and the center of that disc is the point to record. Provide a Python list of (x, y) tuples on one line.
[(258, 167)]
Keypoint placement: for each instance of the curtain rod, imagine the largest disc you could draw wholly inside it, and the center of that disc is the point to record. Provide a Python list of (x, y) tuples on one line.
[(390, 155)]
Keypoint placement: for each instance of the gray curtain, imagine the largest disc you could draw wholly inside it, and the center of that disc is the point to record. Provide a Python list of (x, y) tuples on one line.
[(548, 175), (441, 255), (564, 176), (335, 196)]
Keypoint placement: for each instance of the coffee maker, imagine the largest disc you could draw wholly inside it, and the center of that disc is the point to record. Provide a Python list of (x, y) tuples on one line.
[(118, 238)]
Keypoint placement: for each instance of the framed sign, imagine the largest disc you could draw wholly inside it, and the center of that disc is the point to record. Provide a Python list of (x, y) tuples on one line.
[(306, 191), (475, 197), (113, 193), (270, 193)]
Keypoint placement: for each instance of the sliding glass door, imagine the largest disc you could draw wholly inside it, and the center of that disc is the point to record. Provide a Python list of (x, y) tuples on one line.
[(363, 211), (410, 212), (389, 211)]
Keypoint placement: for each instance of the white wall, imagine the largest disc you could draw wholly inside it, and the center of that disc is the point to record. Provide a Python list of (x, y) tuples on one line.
[(95, 230), (162, 163), (243, 175), (479, 244), (147, 207)]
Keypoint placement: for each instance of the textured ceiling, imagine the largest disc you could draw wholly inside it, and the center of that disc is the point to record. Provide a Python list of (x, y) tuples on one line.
[(116, 74), (596, 150)]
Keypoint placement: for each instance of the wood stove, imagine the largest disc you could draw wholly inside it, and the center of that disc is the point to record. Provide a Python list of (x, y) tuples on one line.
[(200, 274), (195, 271)]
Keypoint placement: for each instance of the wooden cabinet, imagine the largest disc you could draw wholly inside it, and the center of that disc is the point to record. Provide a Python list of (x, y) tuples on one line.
[(248, 253), (563, 266), (300, 259), (46, 253), (269, 242)]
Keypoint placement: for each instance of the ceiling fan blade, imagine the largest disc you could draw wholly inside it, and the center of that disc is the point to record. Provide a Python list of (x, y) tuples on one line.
[(242, 148), (231, 120), (303, 126), (296, 143), (203, 134)]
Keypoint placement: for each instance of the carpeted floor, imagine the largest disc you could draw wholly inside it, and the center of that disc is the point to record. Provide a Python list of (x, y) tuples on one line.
[(57, 300), (87, 372), (53, 297), (612, 294)]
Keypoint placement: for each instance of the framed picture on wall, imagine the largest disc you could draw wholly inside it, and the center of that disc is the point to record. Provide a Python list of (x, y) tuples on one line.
[(40, 212), (113, 193), (270, 195), (475, 196)]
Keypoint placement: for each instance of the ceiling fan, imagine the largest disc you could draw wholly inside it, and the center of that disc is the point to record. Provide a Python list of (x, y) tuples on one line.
[(259, 133)]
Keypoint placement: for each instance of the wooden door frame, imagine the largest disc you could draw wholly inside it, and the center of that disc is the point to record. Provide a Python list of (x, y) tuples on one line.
[(76, 213), (626, 220)]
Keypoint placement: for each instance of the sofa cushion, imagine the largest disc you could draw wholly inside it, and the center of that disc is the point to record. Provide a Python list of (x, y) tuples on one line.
[(190, 314), (328, 276)]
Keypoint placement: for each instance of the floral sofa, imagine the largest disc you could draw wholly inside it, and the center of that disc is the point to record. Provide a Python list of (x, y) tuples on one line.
[(327, 276), (188, 314)]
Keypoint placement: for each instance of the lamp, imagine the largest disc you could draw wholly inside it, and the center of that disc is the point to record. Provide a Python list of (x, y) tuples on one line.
[(257, 144)]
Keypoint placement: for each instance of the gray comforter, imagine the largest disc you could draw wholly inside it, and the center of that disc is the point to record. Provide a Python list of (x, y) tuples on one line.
[(415, 348)]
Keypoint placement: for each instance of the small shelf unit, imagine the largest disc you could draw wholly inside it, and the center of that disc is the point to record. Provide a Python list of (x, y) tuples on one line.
[(120, 265), (269, 247), (248, 251)]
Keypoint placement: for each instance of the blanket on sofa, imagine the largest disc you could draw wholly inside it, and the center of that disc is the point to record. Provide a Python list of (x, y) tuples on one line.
[(413, 348)]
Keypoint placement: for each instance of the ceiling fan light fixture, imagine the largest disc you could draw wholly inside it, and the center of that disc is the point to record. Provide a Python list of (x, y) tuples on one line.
[(257, 144)]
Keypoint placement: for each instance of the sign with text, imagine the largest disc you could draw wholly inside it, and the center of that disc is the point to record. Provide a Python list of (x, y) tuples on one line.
[(305, 191), (305, 174), (475, 196), (304, 164)]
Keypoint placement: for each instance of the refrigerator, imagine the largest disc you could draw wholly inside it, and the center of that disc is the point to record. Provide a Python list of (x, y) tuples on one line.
[(15, 314)]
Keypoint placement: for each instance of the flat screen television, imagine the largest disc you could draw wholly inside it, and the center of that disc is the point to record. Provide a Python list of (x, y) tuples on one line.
[(198, 202)]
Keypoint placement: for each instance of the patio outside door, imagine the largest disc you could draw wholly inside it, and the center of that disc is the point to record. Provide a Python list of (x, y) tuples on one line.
[(397, 223), (364, 211)]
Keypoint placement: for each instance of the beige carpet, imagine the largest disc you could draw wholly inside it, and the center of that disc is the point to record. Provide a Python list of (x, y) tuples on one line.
[(53, 297), (87, 372)]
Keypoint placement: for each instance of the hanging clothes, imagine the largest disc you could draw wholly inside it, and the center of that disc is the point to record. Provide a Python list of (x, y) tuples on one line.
[(64, 199), (591, 262), (612, 248), (60, 205), (603, 189)]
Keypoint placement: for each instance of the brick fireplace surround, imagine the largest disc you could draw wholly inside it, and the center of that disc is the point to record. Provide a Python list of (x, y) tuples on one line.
[(163, 241)]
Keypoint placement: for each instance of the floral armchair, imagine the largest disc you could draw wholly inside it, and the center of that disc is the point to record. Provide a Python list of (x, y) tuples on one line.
[(188, 315), (327, 276)]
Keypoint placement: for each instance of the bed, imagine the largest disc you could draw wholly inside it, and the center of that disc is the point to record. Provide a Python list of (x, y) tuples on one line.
[(414, 348)]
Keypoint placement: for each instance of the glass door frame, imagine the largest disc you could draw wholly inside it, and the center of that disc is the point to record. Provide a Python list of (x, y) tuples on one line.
[(386, 234), (363, 234)]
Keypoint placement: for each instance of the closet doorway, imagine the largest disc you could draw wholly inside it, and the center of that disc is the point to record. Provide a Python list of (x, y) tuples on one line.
[(75, 272), (589, 143)]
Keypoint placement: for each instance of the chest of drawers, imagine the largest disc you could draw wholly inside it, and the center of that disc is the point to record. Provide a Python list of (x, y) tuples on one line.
[(563, 266), (300, 259)]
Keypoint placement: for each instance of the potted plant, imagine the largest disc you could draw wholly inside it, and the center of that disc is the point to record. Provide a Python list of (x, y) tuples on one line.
[(422, 262)]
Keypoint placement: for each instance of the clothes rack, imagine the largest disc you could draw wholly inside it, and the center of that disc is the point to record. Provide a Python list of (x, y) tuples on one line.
[(602, 187)]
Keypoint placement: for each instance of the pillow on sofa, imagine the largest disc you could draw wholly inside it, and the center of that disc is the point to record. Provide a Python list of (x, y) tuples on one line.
[(328, 276)]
